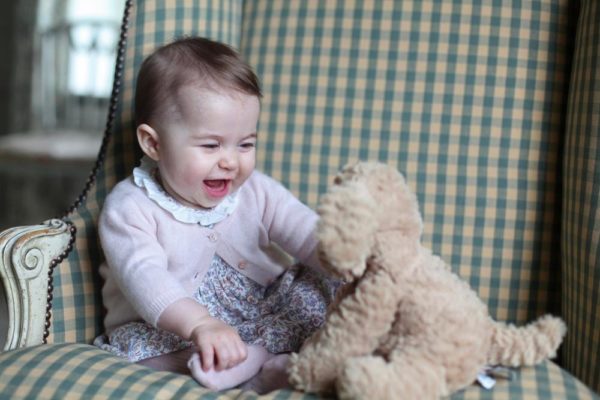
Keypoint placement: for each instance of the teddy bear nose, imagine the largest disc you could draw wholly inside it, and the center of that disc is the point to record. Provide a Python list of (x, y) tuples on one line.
[(337, 180)]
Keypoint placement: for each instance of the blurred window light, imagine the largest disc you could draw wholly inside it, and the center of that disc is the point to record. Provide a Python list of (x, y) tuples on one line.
[(91, 58), (77, 51), (93, 40), (95, 9)]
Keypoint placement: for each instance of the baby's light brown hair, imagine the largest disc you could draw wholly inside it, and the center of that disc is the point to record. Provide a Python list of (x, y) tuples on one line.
[(188, 60)]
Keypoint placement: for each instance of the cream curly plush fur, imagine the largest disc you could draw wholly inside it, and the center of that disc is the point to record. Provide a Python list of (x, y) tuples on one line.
[(404, 326)]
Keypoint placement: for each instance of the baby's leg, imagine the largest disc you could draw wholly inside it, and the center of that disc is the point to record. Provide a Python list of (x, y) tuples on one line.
[(272, 376), (172, 362), (228, 378)]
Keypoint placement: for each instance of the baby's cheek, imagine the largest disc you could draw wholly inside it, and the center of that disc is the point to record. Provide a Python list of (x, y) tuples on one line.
[(190, 179), (192, 176)]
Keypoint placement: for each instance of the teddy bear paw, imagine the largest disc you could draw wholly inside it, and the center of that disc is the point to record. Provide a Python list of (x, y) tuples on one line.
[(311, 374), (360, 377)]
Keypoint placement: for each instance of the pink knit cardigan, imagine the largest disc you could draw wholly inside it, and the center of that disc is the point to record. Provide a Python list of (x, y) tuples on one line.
[(153, 260)]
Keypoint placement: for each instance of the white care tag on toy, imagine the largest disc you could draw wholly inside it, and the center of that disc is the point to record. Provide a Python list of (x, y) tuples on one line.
[(486, 381)]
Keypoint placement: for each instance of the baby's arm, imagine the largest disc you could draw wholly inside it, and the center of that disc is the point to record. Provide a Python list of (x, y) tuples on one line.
[(219, 344), (289, 222)]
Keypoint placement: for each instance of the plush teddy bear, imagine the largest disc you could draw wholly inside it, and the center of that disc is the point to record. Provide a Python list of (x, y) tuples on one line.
[(404, 325)]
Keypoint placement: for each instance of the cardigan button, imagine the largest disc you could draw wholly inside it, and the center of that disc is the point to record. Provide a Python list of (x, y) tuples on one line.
[(213, 237), (242, 264)]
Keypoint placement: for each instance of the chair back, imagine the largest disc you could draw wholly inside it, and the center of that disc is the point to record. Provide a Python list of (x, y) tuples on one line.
[(466, 99), (580, 251)]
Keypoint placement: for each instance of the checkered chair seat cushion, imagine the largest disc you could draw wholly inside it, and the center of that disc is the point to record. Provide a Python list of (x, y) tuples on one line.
[(79, 371)]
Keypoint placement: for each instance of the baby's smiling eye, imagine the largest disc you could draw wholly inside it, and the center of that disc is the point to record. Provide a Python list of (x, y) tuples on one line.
[(210, 146)]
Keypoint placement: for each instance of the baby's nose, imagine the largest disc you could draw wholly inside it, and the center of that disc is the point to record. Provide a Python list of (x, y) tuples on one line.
[(228, 160)]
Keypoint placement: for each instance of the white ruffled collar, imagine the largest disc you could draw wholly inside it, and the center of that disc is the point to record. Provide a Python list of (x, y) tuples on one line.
[(143, 176)]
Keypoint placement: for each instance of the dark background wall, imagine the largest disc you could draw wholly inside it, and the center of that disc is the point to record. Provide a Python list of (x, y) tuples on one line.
[(35, 187), (7, 9), (17, 26)]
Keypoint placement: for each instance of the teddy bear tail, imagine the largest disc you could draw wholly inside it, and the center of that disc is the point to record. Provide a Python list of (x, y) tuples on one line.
[(516, 346)]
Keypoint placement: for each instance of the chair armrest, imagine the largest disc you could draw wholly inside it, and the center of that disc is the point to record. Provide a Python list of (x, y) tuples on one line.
[(27, 256)]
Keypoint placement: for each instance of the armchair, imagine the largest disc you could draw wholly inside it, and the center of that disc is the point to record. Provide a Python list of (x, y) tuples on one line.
[(490, 110)]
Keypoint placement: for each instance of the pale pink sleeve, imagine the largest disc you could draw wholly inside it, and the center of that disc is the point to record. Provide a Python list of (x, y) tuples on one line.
[(290, 223), (135, 259)]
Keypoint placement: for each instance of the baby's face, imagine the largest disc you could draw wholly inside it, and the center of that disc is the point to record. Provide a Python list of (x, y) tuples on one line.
[(209, 150)]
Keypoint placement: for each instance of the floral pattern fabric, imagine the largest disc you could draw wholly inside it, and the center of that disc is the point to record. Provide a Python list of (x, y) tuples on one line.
[(278, 317)]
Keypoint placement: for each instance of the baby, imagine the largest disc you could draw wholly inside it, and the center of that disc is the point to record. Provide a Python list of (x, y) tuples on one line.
[(192, 281)]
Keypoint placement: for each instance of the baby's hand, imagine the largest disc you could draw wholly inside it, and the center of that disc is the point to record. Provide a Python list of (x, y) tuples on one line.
[(219, 344)]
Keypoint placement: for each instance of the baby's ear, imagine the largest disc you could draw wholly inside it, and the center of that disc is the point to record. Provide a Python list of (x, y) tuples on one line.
[(149, 141), (348, 222)]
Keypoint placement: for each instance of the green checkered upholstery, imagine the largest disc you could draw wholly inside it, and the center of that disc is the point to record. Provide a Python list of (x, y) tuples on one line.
[(80, 371), (581, 204), (466, 98), (83, 372)]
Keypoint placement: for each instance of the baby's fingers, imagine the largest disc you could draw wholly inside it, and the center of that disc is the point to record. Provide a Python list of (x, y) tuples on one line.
[(242, 351), (230, 354), (223, 358), (207, 356)]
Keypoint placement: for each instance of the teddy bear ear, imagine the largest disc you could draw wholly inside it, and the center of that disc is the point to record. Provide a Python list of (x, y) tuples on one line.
[(348, 222)]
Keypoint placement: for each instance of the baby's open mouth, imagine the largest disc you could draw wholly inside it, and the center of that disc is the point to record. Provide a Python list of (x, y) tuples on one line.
[(217, 187)]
